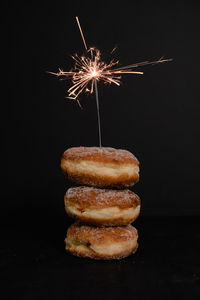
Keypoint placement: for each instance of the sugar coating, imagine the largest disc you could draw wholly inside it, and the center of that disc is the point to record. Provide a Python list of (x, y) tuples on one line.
[(101, 243), (102, 197), (98, 235), (100, 153)]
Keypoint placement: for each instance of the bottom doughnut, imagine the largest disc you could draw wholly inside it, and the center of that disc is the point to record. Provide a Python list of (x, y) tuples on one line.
[(101, 242)]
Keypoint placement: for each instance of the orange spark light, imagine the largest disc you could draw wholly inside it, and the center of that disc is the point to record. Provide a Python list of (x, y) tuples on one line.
[(90, 66)]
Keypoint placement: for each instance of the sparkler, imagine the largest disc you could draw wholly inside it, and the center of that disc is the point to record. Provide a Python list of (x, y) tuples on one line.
[(90, 68)]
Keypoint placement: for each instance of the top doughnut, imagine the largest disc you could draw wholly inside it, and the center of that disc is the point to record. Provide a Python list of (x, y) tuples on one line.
[(100, 166)]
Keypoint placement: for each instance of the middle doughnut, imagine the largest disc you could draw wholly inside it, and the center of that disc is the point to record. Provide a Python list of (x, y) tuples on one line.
[(102, 207)]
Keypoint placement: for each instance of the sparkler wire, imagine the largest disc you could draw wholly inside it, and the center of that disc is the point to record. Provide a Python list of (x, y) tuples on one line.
[(95, 85), (98, 112)]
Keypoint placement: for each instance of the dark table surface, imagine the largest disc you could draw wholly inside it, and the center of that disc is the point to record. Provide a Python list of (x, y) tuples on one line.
[(34, 264)]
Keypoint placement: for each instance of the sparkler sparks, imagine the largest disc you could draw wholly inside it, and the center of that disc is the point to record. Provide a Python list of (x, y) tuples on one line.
[(90, 67)]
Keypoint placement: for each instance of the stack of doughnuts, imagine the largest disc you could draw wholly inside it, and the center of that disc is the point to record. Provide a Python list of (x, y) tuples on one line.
[(101, 204)]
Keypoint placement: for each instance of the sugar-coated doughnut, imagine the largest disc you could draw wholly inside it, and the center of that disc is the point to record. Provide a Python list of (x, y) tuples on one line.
[(102, 207), (100, 166), (101, 242)]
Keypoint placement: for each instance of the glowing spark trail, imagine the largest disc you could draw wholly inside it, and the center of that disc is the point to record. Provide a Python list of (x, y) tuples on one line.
[(79, 26), (90, 68)]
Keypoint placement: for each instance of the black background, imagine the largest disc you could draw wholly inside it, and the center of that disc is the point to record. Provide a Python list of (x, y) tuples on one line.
[(155, 116)]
